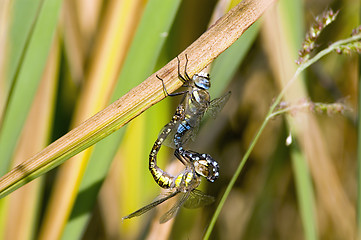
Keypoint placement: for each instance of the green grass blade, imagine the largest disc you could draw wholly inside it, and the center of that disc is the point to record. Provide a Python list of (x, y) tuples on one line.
[(292, 15), (139, 64), (27, 80), (24, 16), (305, 194), (225, 66)]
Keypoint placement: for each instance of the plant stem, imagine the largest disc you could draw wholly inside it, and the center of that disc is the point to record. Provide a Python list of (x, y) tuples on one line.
[(269, 115)]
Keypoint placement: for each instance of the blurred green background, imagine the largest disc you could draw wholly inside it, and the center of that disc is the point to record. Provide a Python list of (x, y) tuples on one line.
[(63, 61)]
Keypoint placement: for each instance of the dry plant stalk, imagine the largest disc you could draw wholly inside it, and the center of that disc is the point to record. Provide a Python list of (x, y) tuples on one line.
[(202, 52)]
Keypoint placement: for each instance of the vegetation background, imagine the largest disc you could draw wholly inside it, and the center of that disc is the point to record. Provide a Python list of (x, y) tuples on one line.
[(63, 61)]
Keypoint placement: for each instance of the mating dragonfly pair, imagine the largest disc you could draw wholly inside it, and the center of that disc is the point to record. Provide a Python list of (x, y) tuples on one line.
[(182, 127)]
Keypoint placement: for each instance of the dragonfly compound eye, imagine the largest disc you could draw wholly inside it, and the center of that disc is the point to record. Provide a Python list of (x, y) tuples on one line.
[(201, 80)]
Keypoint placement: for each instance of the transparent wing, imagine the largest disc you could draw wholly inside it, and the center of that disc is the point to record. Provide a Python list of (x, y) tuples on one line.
[(214, 108), (217, 104), (198, 199), (192, 134), (165, 194), (160, 199), (173, 211)]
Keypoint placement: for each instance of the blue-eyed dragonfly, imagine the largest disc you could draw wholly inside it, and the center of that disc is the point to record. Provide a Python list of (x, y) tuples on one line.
[(195, 103), (185, 121), (184, 184)]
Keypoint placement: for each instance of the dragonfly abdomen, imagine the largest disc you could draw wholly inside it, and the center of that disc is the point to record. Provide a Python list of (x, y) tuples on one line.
[(162, 178), (183, 127)]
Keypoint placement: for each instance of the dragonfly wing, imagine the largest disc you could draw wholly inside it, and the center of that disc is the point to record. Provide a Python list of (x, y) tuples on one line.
[(173, 211), (214, 108), (192, 134), (164, 194), (217, 104), (198, 199), (160, 199)]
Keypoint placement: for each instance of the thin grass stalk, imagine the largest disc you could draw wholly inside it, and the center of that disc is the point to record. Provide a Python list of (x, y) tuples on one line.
[(333, 47), (306, 130), (20, 24), (5, 10)]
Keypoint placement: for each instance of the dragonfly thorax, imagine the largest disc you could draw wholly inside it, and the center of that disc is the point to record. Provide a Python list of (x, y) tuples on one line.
[(200, 96), (201, 80), (197, 102)]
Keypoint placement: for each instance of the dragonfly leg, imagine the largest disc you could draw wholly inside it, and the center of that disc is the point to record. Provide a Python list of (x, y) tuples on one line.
[(170, 94), (182, 78), (185, 68)]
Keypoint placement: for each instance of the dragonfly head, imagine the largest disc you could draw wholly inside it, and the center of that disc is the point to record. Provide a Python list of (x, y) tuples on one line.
[(202, 80), (204, 164), (207, 167)]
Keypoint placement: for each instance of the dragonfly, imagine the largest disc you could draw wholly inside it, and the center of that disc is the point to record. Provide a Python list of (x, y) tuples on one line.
[(184, 185), (206, 167), (195, 103), (185, 121)]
